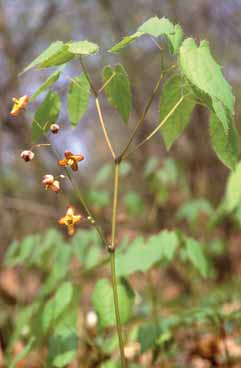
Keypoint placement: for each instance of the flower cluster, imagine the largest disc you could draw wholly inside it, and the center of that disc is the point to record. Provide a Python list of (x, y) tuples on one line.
[(49, 181)]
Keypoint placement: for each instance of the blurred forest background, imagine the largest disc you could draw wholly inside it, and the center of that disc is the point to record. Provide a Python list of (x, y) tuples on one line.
[(27, 27)]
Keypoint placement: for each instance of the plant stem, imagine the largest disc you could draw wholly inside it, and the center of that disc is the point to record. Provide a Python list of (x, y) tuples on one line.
[(112, 264), (102, 123), (148, 105), (98, 108), (143, 116), (91, 217), (156, 129)]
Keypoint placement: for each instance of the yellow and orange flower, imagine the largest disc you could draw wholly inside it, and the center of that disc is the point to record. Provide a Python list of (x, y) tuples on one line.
[(19, 105), (49, 182), (70, 219), (71, 160)]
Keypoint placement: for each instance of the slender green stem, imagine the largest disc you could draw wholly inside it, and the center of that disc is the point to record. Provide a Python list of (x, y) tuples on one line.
[(112, 264), (147, 107), (90, 215), (143, 116), (98, 108), (106, 83), (102, 123), (156, 129), (115, 201)]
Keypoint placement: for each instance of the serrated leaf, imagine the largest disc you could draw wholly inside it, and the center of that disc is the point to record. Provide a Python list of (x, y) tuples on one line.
[(118, 89), (78, 98), (224, 145), (173, 90), (51, 50), (83, 47), (46, 84), (175, 39), (140, 256), (46, 114), (200, 68), (233, 190), (103, 302), (196, 256), (157, 26), (154, 27)]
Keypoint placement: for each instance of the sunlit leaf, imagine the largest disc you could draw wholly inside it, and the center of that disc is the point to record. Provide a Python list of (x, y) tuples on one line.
[(154, 27), (52, 50), (83, 47), (200, 68)]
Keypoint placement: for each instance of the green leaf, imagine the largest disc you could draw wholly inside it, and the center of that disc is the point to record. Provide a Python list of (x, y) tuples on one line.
[(83, 48), (175, 39), (56, 306), (49, 82), (103, 302), (118, 89), (173, 90), (191, 210), (103, 174), (200, 68), (134, 203), (154, 27), (233, 190), (23, 353), (140, 256), (196, 256), (78, 98), (147, 336), (52, 50), (224, 145), (62, 348), (59, 58), (46, 115)]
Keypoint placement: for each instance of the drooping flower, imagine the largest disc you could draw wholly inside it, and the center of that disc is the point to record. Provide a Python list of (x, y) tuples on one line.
[(70, 219), (49, 182), (27, 155), (54, 128), (19, 105), (71, 160)]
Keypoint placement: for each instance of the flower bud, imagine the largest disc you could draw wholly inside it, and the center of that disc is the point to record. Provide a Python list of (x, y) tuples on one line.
[(27, 155), (49, 182), (54, 128), (91, 319)]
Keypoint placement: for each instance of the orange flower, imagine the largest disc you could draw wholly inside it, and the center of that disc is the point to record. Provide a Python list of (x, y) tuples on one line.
[(50, 183), (70, 219), (19, 105), (71, 160)]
